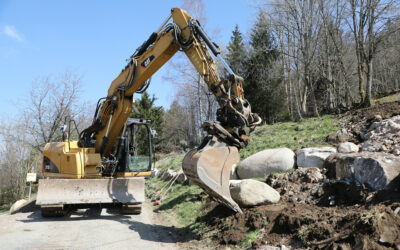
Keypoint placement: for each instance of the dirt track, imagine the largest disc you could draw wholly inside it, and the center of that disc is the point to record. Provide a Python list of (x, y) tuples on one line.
[(86, 229)]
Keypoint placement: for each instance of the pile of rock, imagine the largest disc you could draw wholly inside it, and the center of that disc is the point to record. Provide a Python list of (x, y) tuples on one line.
[(166, 175), (377, 166), (383, 136)]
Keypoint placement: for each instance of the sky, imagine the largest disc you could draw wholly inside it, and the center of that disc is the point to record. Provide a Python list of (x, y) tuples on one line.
[(92, 39)]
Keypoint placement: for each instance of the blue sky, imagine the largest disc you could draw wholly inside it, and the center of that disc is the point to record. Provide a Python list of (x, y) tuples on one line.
[(93, 39)]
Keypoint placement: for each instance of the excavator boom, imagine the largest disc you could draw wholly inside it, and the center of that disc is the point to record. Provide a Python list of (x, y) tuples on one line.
[(208, 165)]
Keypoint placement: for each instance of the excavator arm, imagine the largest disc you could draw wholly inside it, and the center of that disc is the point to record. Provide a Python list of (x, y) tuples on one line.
[(210, 164)]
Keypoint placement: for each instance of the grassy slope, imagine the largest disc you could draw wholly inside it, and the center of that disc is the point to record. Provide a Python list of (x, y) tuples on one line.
[(180, 200), (389, 98), (183, 201), (293, 135)]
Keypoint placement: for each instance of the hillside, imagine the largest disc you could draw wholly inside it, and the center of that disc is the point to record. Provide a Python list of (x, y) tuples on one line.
[(314, 211), (189, 205)]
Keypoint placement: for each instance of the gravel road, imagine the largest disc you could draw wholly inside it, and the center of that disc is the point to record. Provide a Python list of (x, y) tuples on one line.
[(86, 229)]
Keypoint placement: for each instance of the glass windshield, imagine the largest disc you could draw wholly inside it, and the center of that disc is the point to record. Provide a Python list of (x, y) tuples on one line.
[(138, 163)]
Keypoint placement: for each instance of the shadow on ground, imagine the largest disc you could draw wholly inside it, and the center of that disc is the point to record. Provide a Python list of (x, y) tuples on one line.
[(148, 232)]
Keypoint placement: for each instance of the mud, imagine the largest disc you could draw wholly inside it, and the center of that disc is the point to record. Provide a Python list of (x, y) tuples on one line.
[(322, 214)]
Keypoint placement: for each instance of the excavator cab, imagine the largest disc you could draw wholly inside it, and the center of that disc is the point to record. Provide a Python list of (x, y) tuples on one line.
[(135, 150)]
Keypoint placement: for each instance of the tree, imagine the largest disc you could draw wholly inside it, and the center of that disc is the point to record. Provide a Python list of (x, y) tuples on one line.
[(368, 21), (51, 102), (236, 55), (17, 158), (176, 127), (145, 108), (263, 85)]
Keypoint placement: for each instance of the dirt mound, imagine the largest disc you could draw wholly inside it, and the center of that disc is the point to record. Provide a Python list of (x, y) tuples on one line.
[(314, 214), (385, 110), (360, 119)]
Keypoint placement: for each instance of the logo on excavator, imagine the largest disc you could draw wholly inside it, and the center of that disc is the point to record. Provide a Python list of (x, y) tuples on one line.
[(146, 62)]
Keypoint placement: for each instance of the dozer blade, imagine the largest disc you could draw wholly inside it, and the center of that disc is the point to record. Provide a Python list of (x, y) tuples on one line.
[(210, 168), (90, 191)]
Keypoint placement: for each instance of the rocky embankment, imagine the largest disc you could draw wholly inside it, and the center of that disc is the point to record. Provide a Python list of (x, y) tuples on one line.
[(340, 197)]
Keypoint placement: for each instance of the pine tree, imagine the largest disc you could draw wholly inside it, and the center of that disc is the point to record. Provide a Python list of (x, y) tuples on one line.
[(236, 52), (263, 83), (145, 108)]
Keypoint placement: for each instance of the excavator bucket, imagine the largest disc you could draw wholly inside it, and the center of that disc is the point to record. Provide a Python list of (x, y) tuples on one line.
[(210, 168), (60, 192)]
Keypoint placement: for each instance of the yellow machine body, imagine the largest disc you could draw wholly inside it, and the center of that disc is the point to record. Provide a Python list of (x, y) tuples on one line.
[(67, 160)]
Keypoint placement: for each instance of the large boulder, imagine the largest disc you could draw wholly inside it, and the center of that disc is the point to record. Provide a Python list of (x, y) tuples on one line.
[(340, 165), (18, 205), (181, 178), (377, 170), (347, 147), (313, 157), (338, 137), (233, 175), (250, 192), (266, 162), (167, 174)]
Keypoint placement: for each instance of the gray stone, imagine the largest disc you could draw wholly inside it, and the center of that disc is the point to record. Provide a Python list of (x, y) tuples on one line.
[(313, 157), (377, 170), (383, 136), (167, 175), (181, 178), (347, 147), (234, 175), (159, 173), (18, 205), (266, 162), (340, 136), (250, 192)]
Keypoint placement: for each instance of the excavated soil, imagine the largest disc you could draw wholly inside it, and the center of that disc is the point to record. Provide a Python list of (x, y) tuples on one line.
[(385, 110), (313, 214), (356, 121)]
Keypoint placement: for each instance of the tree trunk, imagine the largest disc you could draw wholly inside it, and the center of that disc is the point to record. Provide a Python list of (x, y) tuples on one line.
[(368, 100)]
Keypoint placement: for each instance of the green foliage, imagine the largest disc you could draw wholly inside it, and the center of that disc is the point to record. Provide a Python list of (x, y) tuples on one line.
[(181, 200), (236, 52), (146, 109), (172, 161), (293, 135), (176, 128), (389, 98), (252, 236), (6, 199), (263, 85)]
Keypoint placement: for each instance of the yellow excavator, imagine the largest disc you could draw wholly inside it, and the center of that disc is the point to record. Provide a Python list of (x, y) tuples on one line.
[(103, 167)]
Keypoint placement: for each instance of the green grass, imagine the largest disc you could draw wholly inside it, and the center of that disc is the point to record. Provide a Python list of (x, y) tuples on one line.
[(390, 98), (172, 161), (252, 236), (4, 208), (180, 200), (310, 132)]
